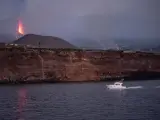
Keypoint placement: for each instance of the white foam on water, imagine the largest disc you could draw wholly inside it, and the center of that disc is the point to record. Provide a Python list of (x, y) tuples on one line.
[(157, 87), (135, 87), (132, 87)]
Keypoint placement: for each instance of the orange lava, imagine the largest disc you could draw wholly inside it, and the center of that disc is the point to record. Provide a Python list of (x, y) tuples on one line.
[(20, 27)]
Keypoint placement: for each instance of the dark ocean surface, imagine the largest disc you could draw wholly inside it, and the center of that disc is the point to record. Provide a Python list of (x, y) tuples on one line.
[(80, 101)]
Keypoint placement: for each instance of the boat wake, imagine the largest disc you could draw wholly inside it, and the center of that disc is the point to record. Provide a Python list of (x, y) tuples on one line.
[(157, 87), (134, 87)]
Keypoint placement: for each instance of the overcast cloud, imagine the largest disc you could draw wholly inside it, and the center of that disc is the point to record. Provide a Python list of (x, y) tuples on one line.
[(136, 21)]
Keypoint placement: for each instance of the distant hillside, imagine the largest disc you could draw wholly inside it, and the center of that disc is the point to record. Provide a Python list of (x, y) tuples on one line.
[(156, 49), (138, 44), (87, 43), (45, 41), (6, 38)]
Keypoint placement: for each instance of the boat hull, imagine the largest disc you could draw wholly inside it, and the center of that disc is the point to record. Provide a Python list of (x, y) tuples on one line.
[(115, 87)]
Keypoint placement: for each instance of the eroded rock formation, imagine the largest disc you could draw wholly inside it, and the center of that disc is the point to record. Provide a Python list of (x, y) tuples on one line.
[(28, 64)]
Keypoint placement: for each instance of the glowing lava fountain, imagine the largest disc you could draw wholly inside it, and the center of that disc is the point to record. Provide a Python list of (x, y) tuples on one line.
[(20, 27)]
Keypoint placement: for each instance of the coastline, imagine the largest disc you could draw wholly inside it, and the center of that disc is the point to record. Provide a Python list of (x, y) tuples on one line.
[(64, 82), (143, 77), (24, 65)]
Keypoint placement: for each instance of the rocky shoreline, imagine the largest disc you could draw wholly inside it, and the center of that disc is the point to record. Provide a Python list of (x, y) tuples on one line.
[(41, 65)]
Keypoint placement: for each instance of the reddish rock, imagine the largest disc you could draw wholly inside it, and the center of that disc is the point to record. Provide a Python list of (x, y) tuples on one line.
[(19, 64)]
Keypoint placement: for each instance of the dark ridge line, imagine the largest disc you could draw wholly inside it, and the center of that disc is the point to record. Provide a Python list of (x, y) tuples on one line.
[(68, 82)]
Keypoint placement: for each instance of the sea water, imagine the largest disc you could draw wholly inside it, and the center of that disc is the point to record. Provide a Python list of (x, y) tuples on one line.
[(80, 101)]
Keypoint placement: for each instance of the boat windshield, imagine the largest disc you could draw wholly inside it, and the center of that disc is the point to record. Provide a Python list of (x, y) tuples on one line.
[(117, 83)]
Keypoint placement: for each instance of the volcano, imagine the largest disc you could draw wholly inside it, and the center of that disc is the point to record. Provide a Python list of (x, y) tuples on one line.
[(43, 41)]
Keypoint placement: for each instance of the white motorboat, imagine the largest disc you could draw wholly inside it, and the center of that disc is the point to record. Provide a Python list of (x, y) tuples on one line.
[(116, 85)]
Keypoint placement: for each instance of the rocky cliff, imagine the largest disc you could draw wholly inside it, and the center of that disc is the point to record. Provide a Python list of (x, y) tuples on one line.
[(20, 64)]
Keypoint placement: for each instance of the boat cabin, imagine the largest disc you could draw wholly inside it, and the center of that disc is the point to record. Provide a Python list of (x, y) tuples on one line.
[(118, 83)]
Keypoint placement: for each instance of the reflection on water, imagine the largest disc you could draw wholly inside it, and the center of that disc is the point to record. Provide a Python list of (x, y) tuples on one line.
[(22, 100)]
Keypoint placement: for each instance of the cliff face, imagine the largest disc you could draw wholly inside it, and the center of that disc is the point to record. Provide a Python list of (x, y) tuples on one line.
[(72, 65)]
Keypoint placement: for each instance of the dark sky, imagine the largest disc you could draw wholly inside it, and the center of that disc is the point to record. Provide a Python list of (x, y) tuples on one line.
[(78, 21)]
